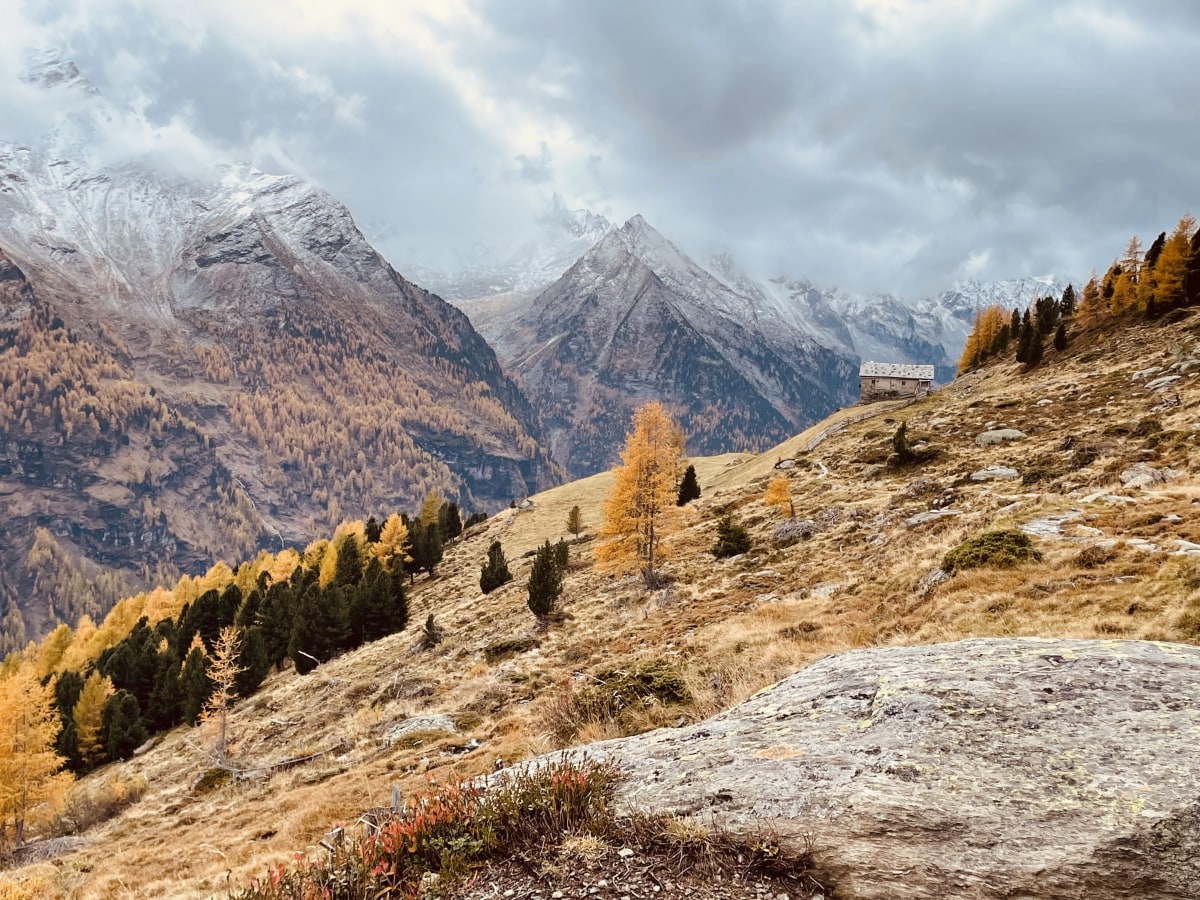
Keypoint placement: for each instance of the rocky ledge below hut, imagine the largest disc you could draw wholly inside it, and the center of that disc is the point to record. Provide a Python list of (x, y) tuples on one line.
[(982, 768)]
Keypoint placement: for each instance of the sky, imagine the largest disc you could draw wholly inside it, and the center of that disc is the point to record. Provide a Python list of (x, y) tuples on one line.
[(871, 145)]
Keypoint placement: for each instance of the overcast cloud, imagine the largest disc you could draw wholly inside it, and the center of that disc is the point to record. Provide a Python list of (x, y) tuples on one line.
[(874, 145)]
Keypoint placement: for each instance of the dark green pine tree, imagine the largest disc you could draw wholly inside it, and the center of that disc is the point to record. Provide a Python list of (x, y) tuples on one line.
[(689, 487), (732, 538), (121, 726), (203, 618), (165, 704), (249, 612), (495, 571), (1150, 260), (321, 629), (372, 530), (133, 663), (426, 549), (1014, 326), (1060, 337), (1026, 340), (562, 554), (373, 611), (227, 609), (1034, 356), (1069, 302), (195, 685), (67, 687), (276, 617), (398, 596), (545, 582), (252, 660), (450, 521), (349, 569)]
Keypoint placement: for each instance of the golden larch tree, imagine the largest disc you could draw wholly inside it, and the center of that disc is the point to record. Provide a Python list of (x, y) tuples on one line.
[(641, 500), (31, 784), (1173, 262), (393, 539), (88, 717), (779, 495), (223, 670)]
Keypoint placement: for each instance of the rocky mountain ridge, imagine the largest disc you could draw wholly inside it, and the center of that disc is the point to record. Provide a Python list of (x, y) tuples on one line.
[(252, 307), (636, 319)]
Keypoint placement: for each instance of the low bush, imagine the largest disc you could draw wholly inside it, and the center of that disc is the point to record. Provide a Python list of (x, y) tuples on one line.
[(498, 651), (1001, 549), (86, 805), (450, 829), (732, 539)]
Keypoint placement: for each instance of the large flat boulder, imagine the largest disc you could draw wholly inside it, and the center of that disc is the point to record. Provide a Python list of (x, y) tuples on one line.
[(982, 768)]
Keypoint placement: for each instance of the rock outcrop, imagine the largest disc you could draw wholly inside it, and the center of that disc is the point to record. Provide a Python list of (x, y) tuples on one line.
[(983, 768)]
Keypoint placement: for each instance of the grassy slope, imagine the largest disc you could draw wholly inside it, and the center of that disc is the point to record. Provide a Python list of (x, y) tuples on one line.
[(731, 626)]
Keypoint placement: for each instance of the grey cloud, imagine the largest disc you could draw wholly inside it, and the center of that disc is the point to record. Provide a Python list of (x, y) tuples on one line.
[(811, 139)]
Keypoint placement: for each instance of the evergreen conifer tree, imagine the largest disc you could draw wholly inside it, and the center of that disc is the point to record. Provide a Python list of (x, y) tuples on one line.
[(1060, 338), (253, 662), (122, 726), (545, 582), (196, 685), (732, 538), (450, 521), (689, 487), (1068, 303), (67, 688), (495, 570), (1034, 356)]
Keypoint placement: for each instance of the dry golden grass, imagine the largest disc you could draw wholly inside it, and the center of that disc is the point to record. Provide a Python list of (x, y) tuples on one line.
[(729, 627)]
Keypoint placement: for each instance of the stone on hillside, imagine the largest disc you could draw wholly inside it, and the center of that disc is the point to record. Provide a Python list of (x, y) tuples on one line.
[(1161, 384), (1143, 374), (1106, 497), (932, 516), (1050, 526), (996, 473), (1186, 548), (873, 469), (998, 436), (786, 463), (1015, 767), (414, 724), (1045, 401), (1141, 475)]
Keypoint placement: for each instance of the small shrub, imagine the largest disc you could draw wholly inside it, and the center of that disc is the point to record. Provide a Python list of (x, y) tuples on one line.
[(732, 538), (1094, 557), (87, 805), (498, 651), (617, 694), (211, 780), (801, 631), (1001, 549), (451, 828)]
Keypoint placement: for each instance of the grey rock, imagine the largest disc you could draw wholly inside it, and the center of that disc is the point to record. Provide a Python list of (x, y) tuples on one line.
[(1045, 401), (996, 473), (1161, 384), (979, 769), (787, 463), (1141, 475), (932, 516), (438, 722), (1143, 374), (1049, 526), (998, 436), (873, 469), (1106, 497)]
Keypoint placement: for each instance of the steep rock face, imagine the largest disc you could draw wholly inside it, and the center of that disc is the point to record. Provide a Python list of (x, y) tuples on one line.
[(251, 306), (983, 768), (106, 487), (633, 320)]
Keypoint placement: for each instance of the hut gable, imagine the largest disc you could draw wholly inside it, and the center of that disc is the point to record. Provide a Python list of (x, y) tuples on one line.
[(885, 381)]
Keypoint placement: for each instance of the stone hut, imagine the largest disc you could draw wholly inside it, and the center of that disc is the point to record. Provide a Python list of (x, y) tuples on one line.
[(891, 381)]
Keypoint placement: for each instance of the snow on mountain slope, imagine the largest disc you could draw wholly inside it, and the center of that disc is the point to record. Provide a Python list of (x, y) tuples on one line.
[(254, 310), (636, 319)]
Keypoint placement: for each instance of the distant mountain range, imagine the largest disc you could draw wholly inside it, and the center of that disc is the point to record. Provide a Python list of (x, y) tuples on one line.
[(198, 364), (238, 329), (635, 319)]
